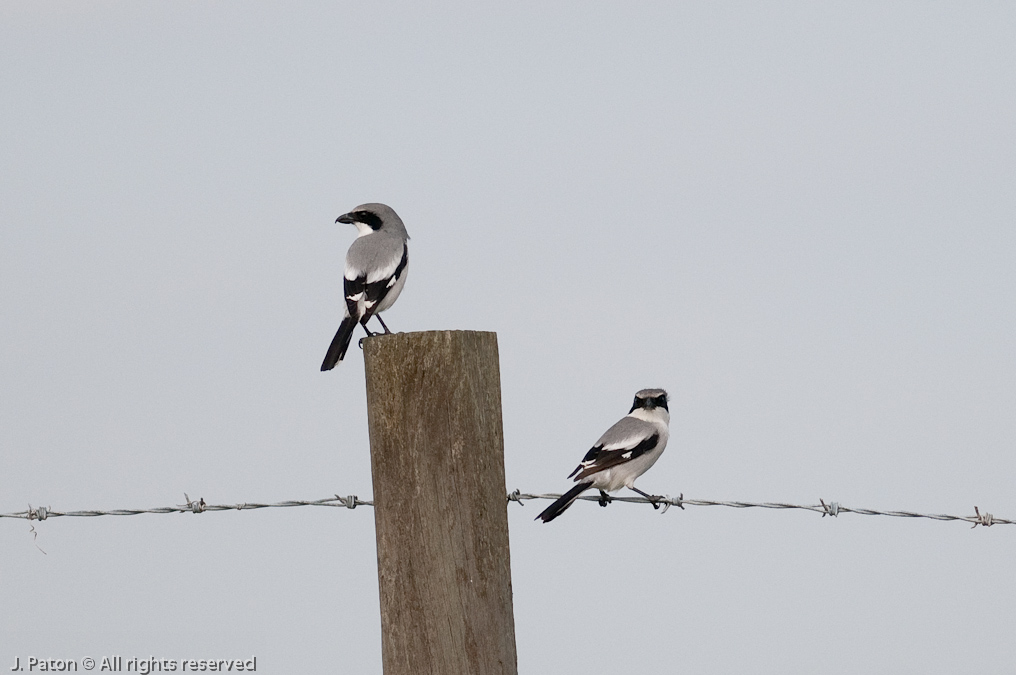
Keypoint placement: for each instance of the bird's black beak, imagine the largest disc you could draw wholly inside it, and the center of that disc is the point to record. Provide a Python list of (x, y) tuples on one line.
[(345, 218)]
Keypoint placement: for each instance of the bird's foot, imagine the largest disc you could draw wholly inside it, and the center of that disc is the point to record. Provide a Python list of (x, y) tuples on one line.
[(652, 499), (604, 498), (669, 501)]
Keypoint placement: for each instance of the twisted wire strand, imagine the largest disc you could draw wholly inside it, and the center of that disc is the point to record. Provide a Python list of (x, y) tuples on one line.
[(352, 501), (198, 506), (826, 509)]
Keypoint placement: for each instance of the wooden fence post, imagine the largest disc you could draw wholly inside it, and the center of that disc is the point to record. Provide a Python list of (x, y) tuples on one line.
[(437, 457)]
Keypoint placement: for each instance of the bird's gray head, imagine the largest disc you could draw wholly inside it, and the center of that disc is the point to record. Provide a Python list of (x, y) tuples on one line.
[(373, 217), (649, 399)]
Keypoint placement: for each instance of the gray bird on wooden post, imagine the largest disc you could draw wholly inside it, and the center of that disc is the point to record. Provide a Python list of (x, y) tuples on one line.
[(624, 452), (376, 267)]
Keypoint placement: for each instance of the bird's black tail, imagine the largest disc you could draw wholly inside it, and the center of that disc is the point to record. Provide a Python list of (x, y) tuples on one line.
[(340, 343), (563, 502)]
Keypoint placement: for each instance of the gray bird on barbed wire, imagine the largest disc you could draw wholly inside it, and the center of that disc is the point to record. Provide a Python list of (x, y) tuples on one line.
[(376, 267), (624, 452)]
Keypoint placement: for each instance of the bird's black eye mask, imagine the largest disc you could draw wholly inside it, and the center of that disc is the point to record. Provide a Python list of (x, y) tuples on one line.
[(368, 218), (655, 402)]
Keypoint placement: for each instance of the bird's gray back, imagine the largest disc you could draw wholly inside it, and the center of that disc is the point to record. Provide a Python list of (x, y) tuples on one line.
[(375, 251), (626, 429)]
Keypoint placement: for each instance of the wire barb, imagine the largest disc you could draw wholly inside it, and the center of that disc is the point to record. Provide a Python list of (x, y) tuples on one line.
[(985, 519), (669, 501), (195, 507)]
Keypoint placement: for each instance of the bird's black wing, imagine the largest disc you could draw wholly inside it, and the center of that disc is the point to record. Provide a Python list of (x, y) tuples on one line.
[(600, 458)]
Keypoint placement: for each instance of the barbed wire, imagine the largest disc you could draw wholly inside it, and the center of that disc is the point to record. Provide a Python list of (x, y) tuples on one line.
[(352, 501), (826, 509), (195, 506)]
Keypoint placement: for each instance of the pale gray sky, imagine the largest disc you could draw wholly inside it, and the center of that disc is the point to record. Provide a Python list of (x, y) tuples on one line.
[(799, 218)]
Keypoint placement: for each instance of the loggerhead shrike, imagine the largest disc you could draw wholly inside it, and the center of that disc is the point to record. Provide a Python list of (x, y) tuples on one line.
[(376, 267), (623, 453)]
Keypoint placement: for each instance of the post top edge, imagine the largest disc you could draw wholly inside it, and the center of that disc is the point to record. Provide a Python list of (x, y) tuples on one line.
[(423, 333)]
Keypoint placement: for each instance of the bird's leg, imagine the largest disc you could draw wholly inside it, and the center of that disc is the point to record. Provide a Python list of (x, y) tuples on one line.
[(653, 499), (363, 323), (387, 332), (605, 498)]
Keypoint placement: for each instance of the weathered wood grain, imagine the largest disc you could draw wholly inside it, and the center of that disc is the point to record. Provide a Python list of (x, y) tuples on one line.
[(437, 456)]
